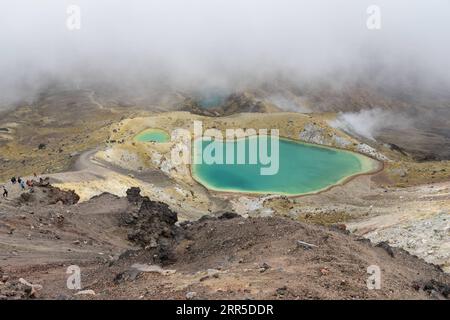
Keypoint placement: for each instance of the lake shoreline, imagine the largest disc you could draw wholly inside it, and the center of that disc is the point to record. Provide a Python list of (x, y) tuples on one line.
[(369, 166)]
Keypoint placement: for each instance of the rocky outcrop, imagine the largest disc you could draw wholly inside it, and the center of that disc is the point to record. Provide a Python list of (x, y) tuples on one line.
[(43, 192), (134, 196), (372, 152), (152, 224), (56, 195), (313, 133), (235, 103)]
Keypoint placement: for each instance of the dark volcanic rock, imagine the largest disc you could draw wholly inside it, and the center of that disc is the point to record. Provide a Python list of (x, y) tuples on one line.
[(134, 196), (27, 198), (384, 245), (228, 215), (153, 225), (155, 221), (433, 286), (43, 192), (56, 195)]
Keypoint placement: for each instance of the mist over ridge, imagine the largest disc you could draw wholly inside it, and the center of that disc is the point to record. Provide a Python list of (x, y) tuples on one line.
[(140, 46)]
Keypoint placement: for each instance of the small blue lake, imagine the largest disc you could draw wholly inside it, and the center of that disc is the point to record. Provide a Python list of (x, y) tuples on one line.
[(153, 135)]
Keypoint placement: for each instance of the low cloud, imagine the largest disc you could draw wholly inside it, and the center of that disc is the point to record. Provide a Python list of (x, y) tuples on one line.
[(293, 104), (139, 46), (369, 123)]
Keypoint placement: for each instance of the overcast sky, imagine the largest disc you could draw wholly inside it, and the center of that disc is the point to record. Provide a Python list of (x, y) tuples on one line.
[(200, 43)]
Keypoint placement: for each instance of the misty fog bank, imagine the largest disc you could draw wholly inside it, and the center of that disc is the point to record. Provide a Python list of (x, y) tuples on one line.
[(370, 123), (140, 46)]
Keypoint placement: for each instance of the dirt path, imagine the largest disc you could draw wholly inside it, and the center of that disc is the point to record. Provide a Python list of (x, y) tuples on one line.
[(94, 101), (90, 177)]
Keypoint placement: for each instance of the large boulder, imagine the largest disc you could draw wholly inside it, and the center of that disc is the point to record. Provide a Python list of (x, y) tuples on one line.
[(152, 224)]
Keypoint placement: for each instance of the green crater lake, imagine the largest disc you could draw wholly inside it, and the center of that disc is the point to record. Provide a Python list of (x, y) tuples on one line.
[(153, 135), (212, 100), (303, 168)]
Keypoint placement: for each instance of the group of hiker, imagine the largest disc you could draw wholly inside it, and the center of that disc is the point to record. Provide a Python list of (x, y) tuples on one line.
[(22, 183)]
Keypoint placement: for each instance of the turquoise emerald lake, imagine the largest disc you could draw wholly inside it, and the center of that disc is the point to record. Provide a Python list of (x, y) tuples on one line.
[(303, 168), (153, 135)]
